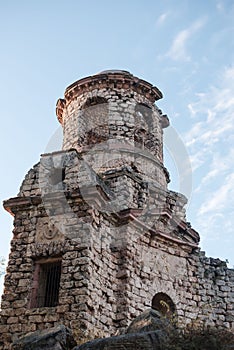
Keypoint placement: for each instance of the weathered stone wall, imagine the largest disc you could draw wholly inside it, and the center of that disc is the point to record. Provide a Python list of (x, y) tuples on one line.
[(102, 206), (110, 273), (200, 287)]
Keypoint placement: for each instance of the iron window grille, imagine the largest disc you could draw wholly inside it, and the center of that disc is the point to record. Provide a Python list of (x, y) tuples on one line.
[(46, 282)]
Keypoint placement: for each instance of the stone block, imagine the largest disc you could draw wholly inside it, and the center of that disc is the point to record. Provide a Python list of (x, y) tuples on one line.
[(12, 320), (135, 341), (56, 338)]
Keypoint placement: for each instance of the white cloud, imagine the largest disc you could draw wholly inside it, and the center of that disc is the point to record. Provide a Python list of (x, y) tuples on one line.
[(214, 219), (210, 142), (224, 7), (161, 19), (220, 166), (213, 113), (178, 50), (197, 159), (229, 73), (220, 6), (220, 198)]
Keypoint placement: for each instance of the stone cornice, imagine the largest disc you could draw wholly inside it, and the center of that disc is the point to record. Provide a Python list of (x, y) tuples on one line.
[(99, 197), (122, 79), (12, 205), (107, 79), (132, 215)]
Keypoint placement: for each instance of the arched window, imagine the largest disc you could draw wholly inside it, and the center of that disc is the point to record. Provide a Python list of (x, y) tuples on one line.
[(92, 101), (95, 120), (143, 123), (164, 304), (143, 114)]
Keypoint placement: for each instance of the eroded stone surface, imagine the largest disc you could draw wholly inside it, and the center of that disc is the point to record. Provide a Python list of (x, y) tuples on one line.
[(135, 341), (102, 206), (57, 338), (150, 320)]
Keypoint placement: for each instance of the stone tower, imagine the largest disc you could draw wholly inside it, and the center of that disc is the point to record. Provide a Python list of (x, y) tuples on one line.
[(98, 237)]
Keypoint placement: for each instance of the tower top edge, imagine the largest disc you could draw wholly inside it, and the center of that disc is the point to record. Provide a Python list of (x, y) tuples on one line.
[(114, 71), (118, 76)]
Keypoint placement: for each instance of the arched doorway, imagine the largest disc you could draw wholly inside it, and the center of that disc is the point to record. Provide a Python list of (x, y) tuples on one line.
[(164, 304)]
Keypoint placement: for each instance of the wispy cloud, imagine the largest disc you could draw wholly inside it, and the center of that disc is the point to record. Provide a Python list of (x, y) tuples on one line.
[(220, 166), (162, 18), (220, 6), (214, 219), (210, 144), (224, 7), (219, 199), (178, 50), (213, 115)]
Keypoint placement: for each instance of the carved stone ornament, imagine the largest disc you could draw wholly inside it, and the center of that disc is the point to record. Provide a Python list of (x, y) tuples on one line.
[(47, 231)]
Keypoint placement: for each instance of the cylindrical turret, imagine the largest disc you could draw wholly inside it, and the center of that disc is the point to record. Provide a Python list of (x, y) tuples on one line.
[(114, 112)]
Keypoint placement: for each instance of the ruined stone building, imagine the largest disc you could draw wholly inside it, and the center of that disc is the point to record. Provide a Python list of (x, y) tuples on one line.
[(98, 237)]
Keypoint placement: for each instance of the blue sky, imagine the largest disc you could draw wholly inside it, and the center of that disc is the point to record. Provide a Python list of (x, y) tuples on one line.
[(185, 48)]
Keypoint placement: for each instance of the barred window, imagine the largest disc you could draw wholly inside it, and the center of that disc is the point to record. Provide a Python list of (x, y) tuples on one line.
[(46, 281)]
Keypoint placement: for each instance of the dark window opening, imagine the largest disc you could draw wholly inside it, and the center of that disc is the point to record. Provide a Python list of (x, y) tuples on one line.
[(95, 121), (143, 125), (143, 114), (95, 111), (57, 175), (94, 137), (45, 288), (92, 101), (164, 304)]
